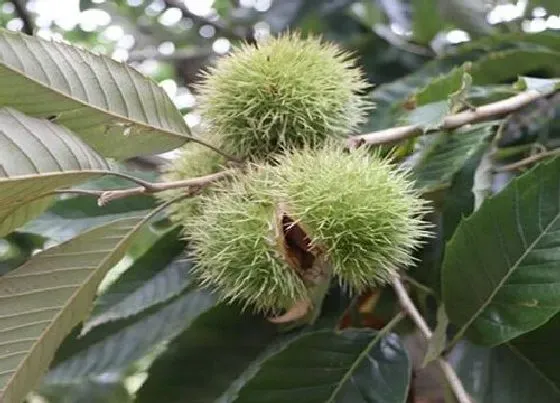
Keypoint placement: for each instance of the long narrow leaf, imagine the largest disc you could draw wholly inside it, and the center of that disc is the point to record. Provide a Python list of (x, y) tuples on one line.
[(37, 157), (155, 277), (117, 351), (500, 271), (42, 300)]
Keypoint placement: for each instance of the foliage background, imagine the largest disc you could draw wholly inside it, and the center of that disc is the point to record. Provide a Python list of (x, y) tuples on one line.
[(154, 304)]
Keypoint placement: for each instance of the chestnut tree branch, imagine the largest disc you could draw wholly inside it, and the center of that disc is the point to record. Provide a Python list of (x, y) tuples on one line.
[(490, 111), (409, 307), (192, 185), (486, 112), (528, 161), (28, 26), (216, 150)]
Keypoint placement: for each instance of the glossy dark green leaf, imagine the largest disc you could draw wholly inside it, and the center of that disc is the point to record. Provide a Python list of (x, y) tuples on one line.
[(459, 199), (541, 348), (501, 375), (161, 273), (90, 391), (220, 344), (115, 347), (324, 366), (500, 276), (447, 155), (16, 248)]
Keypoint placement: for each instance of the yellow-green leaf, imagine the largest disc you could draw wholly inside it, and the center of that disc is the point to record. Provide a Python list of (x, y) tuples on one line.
[(41, 301), (112, 107), (37, 157)]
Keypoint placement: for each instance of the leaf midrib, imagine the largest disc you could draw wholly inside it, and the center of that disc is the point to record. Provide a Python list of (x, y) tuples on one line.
[(363, 355), (51, 174)]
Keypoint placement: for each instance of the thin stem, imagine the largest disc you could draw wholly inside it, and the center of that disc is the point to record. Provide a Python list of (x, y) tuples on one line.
[(82, 192), (528, 161), (409, 307), (486, 112), (133, 179), (28, 26), (364, 355), (217, 150), (193, 185), (417, 284)]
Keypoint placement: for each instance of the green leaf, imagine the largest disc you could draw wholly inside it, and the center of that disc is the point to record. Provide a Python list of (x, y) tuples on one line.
[(483, 179), (490, 68), (114, 347), (552, 6), (458, 203), (222, 332), (541, 348), (500, 276), (523, 53), (155, 277), (43, 299), (291, 13), (447, 155), (112, 107), (545, 85), (501, 375), (459, 199), (429, 116), (90, 391), (426, 22), (514, 40), (67, 217), (439, 88), (326, 366), (16, 248), (469, 16), (37, 157)]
